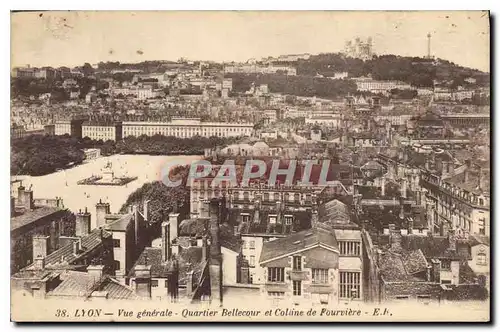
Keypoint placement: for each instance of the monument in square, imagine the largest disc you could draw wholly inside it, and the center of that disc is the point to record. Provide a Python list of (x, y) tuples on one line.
[(107, 178)]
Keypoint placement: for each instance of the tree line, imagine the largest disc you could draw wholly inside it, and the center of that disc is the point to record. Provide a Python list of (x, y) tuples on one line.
[(43, 154)]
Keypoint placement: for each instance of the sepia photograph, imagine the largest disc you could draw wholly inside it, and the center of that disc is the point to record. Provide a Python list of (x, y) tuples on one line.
[(250, 166)]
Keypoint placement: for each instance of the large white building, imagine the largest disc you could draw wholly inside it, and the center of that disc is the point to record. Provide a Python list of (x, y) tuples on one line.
[(184, 128), (99, 132), (374, 86)]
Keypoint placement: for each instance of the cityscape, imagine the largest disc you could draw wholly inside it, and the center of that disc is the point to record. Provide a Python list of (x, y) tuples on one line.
[(374, 185)]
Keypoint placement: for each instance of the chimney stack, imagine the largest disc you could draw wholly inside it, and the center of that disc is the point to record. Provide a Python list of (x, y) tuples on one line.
[(137, 225), (77, 247), (189, 283), (96, 271), (83, 223), (39, 263), (20, 195), (383, 186), (28, 200), (173, 218), (436, 270), (215, 249), (166, 251), (143, 281), (145, 208), (452, 240), (40, 246), (12, 206), (204, 248), (102, 209)]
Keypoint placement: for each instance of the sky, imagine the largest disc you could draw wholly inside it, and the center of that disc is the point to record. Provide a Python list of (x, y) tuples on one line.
[(73, 38)]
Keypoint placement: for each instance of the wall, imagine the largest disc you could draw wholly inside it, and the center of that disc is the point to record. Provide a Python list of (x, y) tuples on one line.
[(229, 267)]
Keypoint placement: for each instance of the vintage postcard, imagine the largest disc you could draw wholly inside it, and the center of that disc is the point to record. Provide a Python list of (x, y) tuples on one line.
[(250, 166)]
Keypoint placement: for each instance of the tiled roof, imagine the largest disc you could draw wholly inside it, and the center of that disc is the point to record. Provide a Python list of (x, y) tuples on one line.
[(116, 290), (298, 241), (120, 224), (188, 259), (66, 256), (392, 268), (414, 261), (75, 284), (334, 212), (436, 247), (32, 216), (467, 292)]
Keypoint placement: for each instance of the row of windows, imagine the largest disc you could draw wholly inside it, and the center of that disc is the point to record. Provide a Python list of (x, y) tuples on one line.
[(277, 274), (350, 248)]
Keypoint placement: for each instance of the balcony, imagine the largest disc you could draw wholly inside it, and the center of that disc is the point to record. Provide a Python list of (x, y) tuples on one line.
[(298, 275)]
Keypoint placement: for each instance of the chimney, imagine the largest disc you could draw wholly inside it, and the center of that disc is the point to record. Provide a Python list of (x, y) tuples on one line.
[(173, 218), (410, 226), (436, 270), (314, 218), (189, 283), (396, 240), (383, 186), (137, 225), (468, 166), (215, 249), (95, 271), (204, 248), (20, 196), (205, 209), (143, 281), (83, 223), (480, 178), (403, 187), (452, 240), (215, 260), (39, 263), (28, 200), (145, 210), (102, 209), (166, 251), (40, 246), (428, 273), (12, 206), (77, 247)]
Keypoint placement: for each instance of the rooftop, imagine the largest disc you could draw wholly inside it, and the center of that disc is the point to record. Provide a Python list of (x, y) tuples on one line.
[(29, 217), (298, 241)]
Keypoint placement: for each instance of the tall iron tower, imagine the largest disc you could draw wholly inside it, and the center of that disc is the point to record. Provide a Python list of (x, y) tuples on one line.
[(428, 46)]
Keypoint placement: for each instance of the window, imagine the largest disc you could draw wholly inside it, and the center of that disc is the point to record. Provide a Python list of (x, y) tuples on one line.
[(402, 297), (481, 259), (244, 244), (266, 197), (288, 220), (297, 263), (446, 265), (252, 261), (116, 243), (276, 274), (319, 276), (252, 244), (349, 248), (350, 285), (246, 217), (154, 283), (446, 282), (276, 294), (272, 219), (116, 265), (297, 288), (166, 283)]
